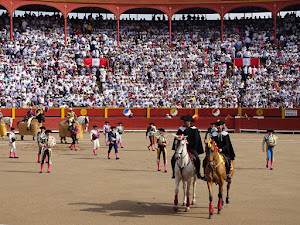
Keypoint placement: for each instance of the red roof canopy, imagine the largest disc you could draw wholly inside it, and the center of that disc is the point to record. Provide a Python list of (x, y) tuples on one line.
[(169, 7)]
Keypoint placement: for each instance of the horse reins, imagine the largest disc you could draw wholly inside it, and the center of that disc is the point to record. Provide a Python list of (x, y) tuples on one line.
[(182, 159)]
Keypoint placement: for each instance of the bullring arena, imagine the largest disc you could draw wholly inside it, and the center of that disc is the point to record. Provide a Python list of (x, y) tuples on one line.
[(138, 62), (87, 189)]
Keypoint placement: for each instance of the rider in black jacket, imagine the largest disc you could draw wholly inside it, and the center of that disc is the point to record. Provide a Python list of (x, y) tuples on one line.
[(194, 145), (223, 142)]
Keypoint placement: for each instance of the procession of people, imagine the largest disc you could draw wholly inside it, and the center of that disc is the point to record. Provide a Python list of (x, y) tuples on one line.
[(158, 139)]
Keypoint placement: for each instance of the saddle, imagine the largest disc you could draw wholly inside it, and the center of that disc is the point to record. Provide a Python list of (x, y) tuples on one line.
[(226, 161)]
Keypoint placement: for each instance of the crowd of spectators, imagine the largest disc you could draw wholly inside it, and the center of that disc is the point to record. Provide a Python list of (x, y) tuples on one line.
[(197, 70)]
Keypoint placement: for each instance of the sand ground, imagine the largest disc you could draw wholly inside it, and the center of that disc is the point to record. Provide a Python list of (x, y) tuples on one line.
[(87, 189)]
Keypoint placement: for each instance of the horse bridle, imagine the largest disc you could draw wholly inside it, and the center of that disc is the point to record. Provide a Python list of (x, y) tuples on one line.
[(212, 162), (181, 153)]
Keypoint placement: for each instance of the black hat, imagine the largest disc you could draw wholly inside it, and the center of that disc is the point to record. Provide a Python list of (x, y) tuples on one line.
[(212, 123), (43, 127), (270, 131), (12, 128), (95, 126), (219, 123), (161, 129), (120, 123), (73, 121), (106, 122), (187, 118), (112, 127), (151, 123), (48, 131)]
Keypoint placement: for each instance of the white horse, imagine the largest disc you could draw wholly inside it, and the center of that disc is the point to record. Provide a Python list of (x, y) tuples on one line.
[(8, 121), (185, 171), (83, 120)]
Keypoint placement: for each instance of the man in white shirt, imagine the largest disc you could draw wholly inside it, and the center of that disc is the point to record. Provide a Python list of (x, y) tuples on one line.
[(94, 136), (12, 143)]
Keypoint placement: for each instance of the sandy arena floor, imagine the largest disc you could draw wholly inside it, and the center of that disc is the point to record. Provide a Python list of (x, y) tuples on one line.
[(84, 189)]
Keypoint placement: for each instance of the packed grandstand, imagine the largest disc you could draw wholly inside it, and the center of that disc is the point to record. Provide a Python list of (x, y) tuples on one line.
[(197, 70)]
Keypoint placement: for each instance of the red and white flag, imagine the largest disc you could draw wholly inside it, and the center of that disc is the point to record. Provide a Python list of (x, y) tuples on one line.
[(247, 62), (98, 62)]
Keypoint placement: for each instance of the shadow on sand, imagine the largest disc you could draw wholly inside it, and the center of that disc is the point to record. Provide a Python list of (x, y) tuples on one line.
[(126, 208), (18, 171), (239, 168), (130, 170)]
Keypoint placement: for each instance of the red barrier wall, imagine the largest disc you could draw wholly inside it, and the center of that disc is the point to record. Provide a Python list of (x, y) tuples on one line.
[(262, 112), (272, 118)]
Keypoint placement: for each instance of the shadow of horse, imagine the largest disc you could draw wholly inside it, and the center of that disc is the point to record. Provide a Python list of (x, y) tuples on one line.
[(18, 171), (131, 170), (127, 208), (249, 168)]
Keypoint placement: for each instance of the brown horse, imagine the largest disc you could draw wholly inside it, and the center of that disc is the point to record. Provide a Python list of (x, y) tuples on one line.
[(216, 173)]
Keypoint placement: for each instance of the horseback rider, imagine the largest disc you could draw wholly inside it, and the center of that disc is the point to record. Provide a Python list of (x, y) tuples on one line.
[(223, 142), (71, 115), (194, 143), (211, 130), (40, 115), (29, 117)]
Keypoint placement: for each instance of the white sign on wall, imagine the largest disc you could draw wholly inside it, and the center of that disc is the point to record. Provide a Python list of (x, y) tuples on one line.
[(290, 112)]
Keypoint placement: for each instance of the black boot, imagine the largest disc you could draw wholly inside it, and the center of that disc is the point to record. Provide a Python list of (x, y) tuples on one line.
[(228, 177), (173, 161), (197, 165), (199, 176)]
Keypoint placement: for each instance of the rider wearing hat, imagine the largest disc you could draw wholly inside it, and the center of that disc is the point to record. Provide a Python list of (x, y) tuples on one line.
[(270, 140), (223, 142), (211, 130), (29, 116), (71, 115), (194, 143)]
